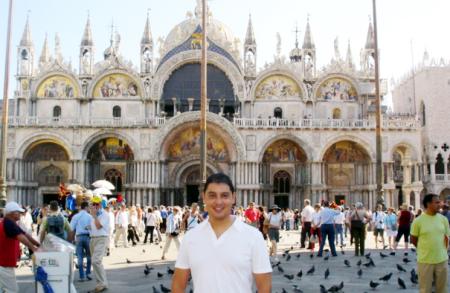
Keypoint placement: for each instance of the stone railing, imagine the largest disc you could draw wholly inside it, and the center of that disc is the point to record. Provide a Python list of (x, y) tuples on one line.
[(81, 122), (261, 123)]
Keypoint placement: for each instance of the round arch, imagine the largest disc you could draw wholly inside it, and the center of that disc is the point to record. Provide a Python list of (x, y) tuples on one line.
[(49, 74), (180, 171), (351, 156), (299, 142), (327, 77), (444, 194), (36, 139), (135, 78), (364, 145), (406, 151), (194, 56), (96, 137), (278, 71)]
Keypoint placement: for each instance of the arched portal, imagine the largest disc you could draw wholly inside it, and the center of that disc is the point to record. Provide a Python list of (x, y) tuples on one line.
[(50, 165), (107, 159), (284, 173), (445, 195), (347, 164), (281, 188)]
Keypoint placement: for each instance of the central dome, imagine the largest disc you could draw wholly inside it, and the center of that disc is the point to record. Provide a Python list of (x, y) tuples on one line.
[(217, 32)]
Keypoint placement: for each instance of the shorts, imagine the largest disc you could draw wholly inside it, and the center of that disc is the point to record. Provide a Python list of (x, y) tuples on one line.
[(378, 232), (391, 233), (274, 234), (403, 230), (8, 280)]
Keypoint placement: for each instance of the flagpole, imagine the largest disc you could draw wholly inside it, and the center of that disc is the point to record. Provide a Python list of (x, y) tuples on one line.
[(4, 134), (203, 94), (379, 159)]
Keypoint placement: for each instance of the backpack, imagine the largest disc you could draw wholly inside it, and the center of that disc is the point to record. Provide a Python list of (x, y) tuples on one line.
[(55, 225)]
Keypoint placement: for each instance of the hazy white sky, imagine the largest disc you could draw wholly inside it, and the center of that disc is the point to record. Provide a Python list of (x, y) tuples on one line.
[(424, 23)]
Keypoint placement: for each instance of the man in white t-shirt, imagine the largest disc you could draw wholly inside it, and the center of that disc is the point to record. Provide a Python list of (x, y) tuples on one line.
[(238, 250), (306, 214)]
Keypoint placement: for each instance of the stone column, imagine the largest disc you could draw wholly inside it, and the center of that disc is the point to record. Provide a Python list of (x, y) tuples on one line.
[(432, 171), (207, 105), (191, 103), (175, 110)]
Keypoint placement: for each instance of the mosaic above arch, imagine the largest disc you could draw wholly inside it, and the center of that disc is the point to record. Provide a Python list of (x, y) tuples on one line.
[(337, 89), (110, 149), (346, 152), (277, 86), (116, 85), (188, 143), (47, 151), (57, 86), (284, 151)]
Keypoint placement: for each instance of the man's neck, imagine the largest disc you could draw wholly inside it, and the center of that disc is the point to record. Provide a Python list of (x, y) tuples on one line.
[(430, 212), (220, 226)]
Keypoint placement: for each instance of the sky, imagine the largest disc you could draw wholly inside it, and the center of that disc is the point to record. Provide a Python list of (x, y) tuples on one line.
[(406, 28)]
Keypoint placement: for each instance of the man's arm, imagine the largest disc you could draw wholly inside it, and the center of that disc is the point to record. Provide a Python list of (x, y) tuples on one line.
[(414, 240), (180, 279), (25, 239), (263, 282)]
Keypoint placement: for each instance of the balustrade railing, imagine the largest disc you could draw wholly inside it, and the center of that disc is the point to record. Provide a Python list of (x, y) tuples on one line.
[(89, 122)]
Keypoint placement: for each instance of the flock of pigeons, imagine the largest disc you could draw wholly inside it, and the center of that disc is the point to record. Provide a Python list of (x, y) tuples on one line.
[(406, 277)]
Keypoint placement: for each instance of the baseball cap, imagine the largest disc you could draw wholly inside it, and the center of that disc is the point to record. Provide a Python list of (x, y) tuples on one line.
[(13, 206)]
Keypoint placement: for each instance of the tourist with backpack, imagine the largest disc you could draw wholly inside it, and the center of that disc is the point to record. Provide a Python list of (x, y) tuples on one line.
[(55, 223)]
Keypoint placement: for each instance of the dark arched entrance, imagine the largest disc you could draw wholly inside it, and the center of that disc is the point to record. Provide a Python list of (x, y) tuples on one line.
[(184, 84)]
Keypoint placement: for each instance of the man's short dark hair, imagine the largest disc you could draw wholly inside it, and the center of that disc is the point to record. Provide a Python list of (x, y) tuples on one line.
[(219, 178), (428, 198), (84, 205), (54, 205)]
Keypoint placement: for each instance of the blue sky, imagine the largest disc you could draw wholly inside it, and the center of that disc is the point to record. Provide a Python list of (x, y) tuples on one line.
[(425, 23)]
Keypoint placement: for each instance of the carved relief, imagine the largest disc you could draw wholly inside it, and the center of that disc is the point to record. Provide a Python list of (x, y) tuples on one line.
[(277, 86), (116, 85), (57, 86), (337, 89)]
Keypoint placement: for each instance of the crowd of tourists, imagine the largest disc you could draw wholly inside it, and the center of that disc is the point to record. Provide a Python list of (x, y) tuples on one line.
[(97, 230)]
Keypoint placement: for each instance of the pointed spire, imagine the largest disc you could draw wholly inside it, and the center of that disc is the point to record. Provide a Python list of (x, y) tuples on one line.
[(308, 42), (45, 54), (349, 57), (26, 36), (370, 41), (58, 51), (87, 35), (250, 35), (147, 36)]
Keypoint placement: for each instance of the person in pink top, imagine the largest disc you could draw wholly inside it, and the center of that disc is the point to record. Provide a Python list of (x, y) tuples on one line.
[(251, 215)]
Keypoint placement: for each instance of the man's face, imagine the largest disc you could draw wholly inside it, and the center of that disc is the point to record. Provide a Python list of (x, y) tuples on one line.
[(15, 216), (434, 205), (219, 200)]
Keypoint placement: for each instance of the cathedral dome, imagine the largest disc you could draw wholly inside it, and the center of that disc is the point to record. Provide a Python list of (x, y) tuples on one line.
[(218, 32)]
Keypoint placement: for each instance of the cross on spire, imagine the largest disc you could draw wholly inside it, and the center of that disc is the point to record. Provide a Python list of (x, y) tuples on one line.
[(445, 147), (296, 31)]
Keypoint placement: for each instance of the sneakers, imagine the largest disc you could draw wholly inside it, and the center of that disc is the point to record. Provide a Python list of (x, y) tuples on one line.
[(100, 289)]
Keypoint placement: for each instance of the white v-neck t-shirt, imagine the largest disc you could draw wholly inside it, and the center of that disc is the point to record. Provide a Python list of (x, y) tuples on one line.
[(225, 264)]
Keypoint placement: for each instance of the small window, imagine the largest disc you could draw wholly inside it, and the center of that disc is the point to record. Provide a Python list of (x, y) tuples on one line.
[(337, 113), (278, 113), (56, 112), (117, 112)]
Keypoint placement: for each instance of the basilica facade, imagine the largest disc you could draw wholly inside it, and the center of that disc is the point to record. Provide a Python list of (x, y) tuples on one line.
[(284, 132)]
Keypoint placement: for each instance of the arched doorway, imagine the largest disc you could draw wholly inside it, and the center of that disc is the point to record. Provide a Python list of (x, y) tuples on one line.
[(283, 173), (191, 181), (347, 164), (50, 167), (107, 159), (445, 195), (281, 188)]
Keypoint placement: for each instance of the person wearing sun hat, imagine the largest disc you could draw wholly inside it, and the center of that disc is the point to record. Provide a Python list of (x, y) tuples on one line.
[(99, 238), (10, 236)]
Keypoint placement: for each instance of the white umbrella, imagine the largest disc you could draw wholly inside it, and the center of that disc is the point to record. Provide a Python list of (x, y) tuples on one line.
[(112, 199), (102, 191), (74, 187), (103, 184)]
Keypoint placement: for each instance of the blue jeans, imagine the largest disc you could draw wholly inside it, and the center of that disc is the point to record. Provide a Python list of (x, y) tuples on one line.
[(327, 230), (340, 233), (83, 250)]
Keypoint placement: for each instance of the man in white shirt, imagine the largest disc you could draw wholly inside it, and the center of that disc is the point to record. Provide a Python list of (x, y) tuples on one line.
[(378, 222), (238, 250), (99, 239), (122, 225), (306, 214)]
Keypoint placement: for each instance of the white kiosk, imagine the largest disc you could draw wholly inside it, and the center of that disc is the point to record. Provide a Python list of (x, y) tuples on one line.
[(55, 256)]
